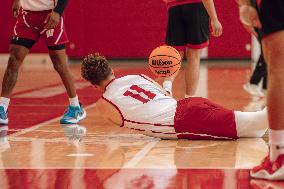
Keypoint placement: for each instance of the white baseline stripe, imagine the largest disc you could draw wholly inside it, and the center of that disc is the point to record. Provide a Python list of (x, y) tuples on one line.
[(140, 155)]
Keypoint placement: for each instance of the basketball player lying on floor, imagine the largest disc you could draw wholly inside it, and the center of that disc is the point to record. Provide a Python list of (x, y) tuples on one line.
[(137, 102)]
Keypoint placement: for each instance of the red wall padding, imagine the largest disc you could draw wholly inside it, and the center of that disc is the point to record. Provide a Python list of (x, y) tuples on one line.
[(129, 29)]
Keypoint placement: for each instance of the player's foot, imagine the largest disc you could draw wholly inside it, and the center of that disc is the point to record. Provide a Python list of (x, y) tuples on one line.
[(269, 170), (3, 116), (74, 133), (73, 114), (253, 90)]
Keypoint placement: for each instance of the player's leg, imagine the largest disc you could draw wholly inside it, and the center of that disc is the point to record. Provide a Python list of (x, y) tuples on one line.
[(192, 71), (17, 55), (75, 112), (272, 167), (168, 81), (56, 39), (251, 124), (175, 37), (197, 38)]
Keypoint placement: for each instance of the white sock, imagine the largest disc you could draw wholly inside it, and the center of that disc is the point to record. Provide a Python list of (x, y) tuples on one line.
[(74, 101), (276, 143), (4, 102), (168, 85), (251, 124)]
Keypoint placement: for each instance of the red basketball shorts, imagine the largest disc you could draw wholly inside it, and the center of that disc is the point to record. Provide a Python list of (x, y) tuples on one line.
[(30, 25), (198, 118)]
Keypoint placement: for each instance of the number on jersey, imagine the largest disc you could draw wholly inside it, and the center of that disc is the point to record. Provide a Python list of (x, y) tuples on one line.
[(138, 96)]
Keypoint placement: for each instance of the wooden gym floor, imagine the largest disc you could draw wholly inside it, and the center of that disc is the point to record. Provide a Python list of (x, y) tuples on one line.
[(38, 152)]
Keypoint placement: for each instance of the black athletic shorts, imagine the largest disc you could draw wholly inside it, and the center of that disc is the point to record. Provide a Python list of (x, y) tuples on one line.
[(272, 16), (188, 26)]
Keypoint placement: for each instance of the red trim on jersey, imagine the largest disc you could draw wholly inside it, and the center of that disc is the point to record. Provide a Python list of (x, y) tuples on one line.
[(117, 110), (109, 83), (141, 75), (199, 46)]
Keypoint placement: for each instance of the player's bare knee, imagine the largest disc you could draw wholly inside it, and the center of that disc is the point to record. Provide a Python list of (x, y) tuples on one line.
[(58, 65), (15, 60)]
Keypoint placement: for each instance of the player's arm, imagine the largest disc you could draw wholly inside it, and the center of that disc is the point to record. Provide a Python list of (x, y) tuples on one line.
[(108, 112), (215, 24), (53, 18), (157, 84)]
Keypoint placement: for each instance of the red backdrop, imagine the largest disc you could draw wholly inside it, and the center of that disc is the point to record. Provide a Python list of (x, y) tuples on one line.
[(130, 29)]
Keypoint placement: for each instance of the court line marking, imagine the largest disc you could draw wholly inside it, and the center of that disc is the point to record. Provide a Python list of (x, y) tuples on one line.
[(23, 131), (140, 155), (80, 155)]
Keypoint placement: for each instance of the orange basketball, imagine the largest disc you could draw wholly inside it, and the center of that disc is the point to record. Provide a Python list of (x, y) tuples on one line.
[(164, 61)]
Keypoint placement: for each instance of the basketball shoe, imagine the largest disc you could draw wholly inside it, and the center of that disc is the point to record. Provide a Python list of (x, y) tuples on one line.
[(73, 114), (269, 170), (264, 184), (3, 116)]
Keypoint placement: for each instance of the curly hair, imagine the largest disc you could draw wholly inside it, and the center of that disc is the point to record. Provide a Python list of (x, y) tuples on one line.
[(95, 68)]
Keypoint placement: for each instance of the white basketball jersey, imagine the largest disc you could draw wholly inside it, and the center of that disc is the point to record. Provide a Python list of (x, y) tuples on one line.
[(143, 105), (38, 5)]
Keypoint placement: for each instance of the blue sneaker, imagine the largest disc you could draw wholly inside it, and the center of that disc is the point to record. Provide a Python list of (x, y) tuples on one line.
[(73, 114), (3, 116)]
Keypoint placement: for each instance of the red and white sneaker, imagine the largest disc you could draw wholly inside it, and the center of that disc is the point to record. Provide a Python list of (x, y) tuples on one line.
[(264, 184), (269, 170)]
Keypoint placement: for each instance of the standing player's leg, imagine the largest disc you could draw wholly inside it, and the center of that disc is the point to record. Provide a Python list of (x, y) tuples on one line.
[(192, 71), (273, 50), (17, 56), (272, 20), (175, 37), (197, 38), (168, 81), (56, 39), (75, 112)]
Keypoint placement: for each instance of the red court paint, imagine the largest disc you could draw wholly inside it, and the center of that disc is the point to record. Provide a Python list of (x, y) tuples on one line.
[(131, 178)]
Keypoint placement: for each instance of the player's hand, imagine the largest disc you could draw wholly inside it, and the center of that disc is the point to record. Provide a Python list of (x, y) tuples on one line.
[(217, 28), (15, 8), (52, 20), (249, 17)]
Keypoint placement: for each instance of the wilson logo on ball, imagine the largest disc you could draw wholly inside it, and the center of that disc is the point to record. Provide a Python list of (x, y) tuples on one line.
[(161, 62), (163, 72)]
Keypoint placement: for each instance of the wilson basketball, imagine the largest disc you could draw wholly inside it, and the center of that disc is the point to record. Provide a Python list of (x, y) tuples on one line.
[(164, 61)]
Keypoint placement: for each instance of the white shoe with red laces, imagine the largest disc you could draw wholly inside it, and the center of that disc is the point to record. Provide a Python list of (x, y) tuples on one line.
[(269, 170)]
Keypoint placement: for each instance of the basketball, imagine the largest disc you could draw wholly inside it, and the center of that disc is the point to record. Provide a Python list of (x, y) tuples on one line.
[(164, 61)]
